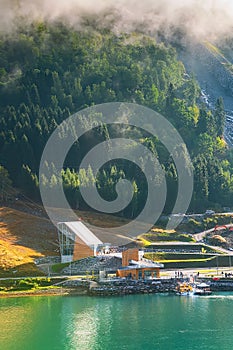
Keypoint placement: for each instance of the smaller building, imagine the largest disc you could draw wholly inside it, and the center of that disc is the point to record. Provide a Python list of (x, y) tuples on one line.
[(137, 272), (136, 267)]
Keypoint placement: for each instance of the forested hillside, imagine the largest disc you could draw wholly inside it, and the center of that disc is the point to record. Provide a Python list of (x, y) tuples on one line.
[(48, 72)]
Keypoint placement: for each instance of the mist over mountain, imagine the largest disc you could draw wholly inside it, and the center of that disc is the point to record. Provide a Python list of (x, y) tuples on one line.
[(189, 25), (199, 19)]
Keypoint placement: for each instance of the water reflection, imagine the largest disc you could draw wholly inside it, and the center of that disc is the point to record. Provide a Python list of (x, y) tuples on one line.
[(82, 330), (140, 322), (17, 321)]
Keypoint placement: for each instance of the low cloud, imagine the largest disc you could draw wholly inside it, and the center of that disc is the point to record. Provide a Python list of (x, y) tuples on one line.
[(198, 18)]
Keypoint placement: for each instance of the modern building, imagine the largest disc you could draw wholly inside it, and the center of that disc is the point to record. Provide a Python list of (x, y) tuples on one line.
[(136, 267), (76, 241)]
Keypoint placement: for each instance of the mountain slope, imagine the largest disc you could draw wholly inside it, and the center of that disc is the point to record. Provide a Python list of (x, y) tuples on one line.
[(212, 67), (24, 237)]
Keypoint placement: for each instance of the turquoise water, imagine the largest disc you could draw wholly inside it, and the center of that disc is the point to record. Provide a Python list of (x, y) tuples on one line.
[(140, 322)]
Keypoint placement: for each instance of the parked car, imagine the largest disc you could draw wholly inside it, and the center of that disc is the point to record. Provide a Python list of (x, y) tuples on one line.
[(210, 212)]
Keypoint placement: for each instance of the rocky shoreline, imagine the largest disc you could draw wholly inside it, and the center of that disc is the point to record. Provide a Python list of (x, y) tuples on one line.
[(153, 287), (119, 288)]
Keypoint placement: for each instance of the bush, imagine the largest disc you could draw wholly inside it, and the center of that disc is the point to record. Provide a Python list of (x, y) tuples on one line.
[(195, 226), (168, 236), (26, 284)]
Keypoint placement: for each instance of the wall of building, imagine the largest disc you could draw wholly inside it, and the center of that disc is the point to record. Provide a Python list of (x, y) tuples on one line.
[(81, 250), (138, 273), (130, 254)]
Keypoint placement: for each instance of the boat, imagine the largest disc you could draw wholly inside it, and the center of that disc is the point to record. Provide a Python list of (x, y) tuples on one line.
[(189, 289), (184, 289), (202, 289)]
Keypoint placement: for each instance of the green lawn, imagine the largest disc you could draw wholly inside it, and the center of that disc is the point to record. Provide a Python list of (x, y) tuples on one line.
[(175, 260)]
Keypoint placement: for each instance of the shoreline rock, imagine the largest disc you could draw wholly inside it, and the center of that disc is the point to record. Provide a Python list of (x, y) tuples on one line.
[(119, 288)]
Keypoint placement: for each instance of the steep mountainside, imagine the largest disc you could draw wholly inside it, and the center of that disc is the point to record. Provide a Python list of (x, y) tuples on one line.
[(212, 65)]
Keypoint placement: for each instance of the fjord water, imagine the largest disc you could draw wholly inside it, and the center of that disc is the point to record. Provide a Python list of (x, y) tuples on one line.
[(140, 322)]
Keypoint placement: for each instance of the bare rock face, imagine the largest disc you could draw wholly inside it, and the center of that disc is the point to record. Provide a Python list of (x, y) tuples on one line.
[(214, 73), (211, 68)]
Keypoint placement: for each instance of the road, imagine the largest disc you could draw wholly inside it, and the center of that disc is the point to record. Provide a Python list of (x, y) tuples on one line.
[(199, 236), (203, 272)]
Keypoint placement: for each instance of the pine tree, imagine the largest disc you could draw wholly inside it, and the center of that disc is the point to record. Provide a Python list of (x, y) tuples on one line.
[(220, 116), (5, 184)]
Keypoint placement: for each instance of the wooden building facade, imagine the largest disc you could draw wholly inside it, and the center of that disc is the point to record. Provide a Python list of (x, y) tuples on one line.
[(135, 267)]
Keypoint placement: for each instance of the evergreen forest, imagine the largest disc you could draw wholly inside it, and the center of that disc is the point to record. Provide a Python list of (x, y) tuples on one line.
[(50, 71)]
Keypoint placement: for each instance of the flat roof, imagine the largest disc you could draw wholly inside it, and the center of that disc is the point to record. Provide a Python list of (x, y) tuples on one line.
[(137, 267), (80, 230), (144, 263)]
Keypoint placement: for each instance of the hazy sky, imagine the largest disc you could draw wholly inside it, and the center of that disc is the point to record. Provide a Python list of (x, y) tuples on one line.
[(202, 18)]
